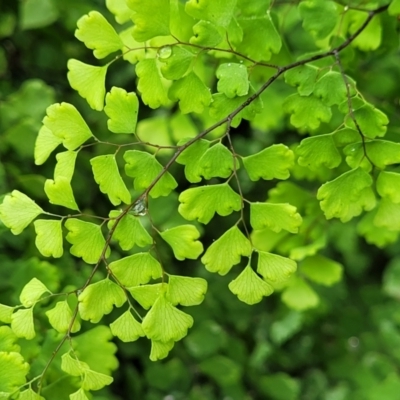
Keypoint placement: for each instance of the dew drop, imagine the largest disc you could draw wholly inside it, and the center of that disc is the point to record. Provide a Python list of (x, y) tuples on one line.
[(165, 52), (139, 208)]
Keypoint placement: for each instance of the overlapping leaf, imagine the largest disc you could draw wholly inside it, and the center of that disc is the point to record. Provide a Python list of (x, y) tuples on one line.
[(13, 370), (274, 268), (22, 323), (60, 318), (217, 161), (213, 11), (127, 328), (45, 143), (49, 240), (186, 291), (65, 165), (175, 61), (322, 270), (299, 295), (388, 185), (146, 295), (233, 79), (59, 191), (303, 77)]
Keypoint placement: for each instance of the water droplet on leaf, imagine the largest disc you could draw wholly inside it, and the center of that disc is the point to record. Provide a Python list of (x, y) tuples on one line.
[(165, 52), (139, 208)]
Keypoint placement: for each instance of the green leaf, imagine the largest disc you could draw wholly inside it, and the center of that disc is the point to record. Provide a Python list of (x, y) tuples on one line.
[(394, 7), (256, 30), (219, 13), (206, 34), (93, 380), (319, 17), (307, 112), (146, 295), (136, 269), (192, 93), (144, 167), (13, 370), (129, 231), (175, 322), (201, 203), (60, 192), (233, 80), (275, 217), (72, 366), (388, 185), (22, 323), (190, 158), (122, 110), (151, 84), (46, 143), (175, 61), (127, 328), (273, 162), (249, 287), (49, 240), (29, 394), (299, 295), (35, 14), (32, 292), (282, 330), (303, 77), (185, 290), (107, 176), (5, 313), (371, 36), (60, 318), (331, 88), (67, 124), (347, 196), (183, 241), (322, 270), (97, 34), (88, 81), (226, 251), (87, 240), (345, 136), (284, 192), (371, 121), (217, 161), (65, 164), (79, 395), (17, 211), (160, 350), (388, 215), (318, 151), (130, 43), (151, 18), (122, 14), (274, 268), (99, 299)]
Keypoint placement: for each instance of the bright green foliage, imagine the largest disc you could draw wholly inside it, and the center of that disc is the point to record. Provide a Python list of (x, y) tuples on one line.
[(151, 85), (346, 196), (303, 77), (249, 287), (45, 143), (79, 395), (129, 231), (145, 168), (160, 350), (190, 159), (127, 328), (201, 203), (65, 165), (219, 259), (67, 124), (322, 270), (299, 295), (318, 151), (29, 394), (13, 370), (97, 34), (388, 215), (49, 239), (371, 121), (122, 109), (256, 30), (32, 292), (388, 185), (22, 323), (274, 268), (183, 241), (345, 136), (99, 299), (208, 10), (136, 269), (60, 318), (307, 112), (371, 37), (17, 211), (120, 10), (60, 192), (233, 80), (5, 313), (331, 88), (151, 18), (394, 7), (272, 162), (89, 82), (217, 161), (319, 17), (275, 217), (186, 291), (192, 94), (146, 295), (86, 239), (165, 323), (206, 34), (175, 61), (106, 174)]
